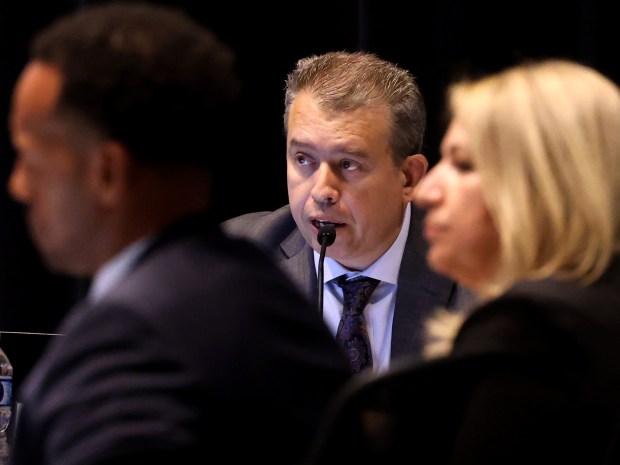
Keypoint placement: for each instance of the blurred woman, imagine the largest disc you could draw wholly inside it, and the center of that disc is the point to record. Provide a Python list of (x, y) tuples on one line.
[(524, 209)]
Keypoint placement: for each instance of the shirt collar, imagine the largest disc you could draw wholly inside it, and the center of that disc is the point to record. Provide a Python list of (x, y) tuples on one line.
[(116, 268)]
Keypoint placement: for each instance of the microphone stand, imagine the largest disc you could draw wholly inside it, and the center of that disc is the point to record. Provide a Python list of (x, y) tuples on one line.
[(325, 237)]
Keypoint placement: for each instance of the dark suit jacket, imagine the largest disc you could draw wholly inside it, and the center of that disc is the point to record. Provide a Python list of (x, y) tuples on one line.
[(205, 351), (420, 290), (534, 378), (556, 396)]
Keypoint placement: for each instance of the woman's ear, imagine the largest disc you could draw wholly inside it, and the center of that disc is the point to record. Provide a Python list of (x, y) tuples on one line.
[(414, 168)]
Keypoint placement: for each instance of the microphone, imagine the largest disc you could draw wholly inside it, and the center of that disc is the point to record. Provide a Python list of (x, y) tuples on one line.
[(325, 237)]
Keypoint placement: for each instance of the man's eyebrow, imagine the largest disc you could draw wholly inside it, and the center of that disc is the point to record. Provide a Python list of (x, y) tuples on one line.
[(298, 143)]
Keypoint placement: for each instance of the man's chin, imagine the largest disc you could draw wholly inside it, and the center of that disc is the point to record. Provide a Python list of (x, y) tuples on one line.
[(59, 264)]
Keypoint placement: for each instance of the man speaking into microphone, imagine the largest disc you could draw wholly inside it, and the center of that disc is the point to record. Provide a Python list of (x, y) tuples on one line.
[(354, 127)]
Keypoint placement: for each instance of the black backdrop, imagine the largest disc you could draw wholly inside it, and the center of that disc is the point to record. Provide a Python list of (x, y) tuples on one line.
[(437, 40)]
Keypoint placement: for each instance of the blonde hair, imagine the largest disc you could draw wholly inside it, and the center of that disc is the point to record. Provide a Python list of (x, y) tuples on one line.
[(545, 138)]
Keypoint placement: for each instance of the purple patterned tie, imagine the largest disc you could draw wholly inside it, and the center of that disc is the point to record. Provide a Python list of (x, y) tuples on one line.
[(352, 333)]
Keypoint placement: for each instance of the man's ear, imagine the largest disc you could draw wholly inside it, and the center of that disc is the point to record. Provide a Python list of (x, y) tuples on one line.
[(111, 172), (414, 168)]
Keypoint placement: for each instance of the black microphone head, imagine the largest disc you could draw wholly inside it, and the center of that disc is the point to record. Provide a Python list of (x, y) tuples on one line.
[(327, 233)]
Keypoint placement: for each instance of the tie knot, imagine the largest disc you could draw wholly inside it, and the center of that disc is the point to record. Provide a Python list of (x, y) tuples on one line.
[(356, 292)]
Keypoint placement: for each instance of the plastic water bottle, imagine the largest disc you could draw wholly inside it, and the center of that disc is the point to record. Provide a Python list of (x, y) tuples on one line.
[(6, 404)]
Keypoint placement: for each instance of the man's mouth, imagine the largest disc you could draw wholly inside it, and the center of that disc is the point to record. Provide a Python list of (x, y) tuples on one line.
[(318, 224)]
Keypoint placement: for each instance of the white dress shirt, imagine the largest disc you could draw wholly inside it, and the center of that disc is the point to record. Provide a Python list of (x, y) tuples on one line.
[(379, 312)]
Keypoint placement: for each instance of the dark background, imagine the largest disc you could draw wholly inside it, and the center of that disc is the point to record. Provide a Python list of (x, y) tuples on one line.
[(437, 40)]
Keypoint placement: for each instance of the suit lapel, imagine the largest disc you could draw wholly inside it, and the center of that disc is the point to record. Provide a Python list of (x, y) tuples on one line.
[(298, 263), (420, 292)]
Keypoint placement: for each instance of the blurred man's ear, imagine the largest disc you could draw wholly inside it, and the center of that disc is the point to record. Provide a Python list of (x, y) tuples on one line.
[(110, 172)]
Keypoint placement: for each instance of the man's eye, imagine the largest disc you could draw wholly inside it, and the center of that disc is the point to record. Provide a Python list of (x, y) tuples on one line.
[(348, 165), (301, 160)]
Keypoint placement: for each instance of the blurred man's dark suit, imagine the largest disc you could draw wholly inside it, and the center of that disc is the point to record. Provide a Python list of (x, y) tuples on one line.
[(211, 336)]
